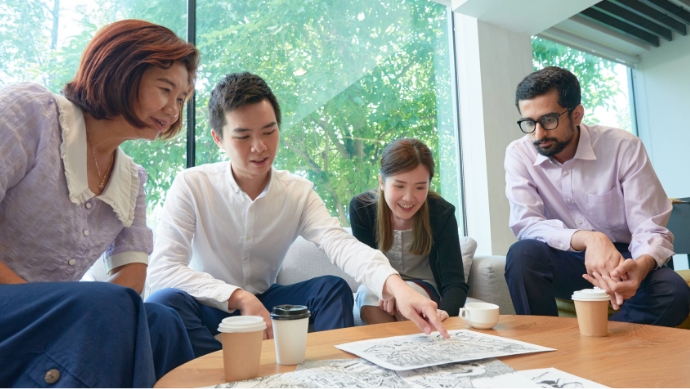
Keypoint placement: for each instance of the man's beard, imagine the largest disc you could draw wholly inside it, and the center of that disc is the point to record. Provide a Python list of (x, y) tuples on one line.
[(556, 147)]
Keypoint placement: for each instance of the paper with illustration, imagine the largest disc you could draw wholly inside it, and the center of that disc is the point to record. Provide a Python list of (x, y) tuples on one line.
[(419, 350), (358, 373), (554, 378)]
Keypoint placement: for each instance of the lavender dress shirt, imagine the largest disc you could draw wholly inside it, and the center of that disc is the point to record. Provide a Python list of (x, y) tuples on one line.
[(52, 227), (609, 186)]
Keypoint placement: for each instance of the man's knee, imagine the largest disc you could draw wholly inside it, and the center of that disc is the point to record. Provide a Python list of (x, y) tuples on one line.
[(525, 254), (334, 285), (673, 285), (663, 299), (158, 314), (170, 297)]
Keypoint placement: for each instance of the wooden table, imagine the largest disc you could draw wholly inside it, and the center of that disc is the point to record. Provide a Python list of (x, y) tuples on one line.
[(633, 355)]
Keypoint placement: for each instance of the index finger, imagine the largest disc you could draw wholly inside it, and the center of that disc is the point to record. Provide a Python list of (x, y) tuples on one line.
[(432, 318)]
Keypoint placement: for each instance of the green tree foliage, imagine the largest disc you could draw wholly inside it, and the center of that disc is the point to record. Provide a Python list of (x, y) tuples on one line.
[(350, 76), (596, 75)]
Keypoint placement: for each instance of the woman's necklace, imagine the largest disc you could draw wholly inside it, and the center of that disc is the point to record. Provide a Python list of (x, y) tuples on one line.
[(101, 185)]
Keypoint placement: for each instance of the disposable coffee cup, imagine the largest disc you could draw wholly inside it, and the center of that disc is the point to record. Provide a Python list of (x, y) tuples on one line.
[(592, 308), (241, 337), (290, 326), (480, 315)]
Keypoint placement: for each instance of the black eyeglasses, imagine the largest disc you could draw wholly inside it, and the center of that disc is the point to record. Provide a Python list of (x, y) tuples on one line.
[(548, 122)]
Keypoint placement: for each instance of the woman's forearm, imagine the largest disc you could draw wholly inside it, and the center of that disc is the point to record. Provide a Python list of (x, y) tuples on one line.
[(132, 276), (8, 276)]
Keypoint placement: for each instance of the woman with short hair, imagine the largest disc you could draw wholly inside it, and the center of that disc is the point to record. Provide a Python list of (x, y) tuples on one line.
[(69, 195)]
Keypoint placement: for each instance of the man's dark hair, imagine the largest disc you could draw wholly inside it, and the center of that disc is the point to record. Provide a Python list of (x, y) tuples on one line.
[(547, 79), (234, 91)]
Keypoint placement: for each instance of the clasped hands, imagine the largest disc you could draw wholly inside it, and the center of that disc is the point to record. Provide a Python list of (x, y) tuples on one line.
[(608, 270)]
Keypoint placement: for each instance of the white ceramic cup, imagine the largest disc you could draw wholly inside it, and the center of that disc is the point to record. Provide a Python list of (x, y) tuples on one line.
[(241, 337), (290, 327), (480, 315)]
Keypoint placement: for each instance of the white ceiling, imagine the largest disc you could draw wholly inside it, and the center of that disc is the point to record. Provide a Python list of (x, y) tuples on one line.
[(557, 20), (524, 16)]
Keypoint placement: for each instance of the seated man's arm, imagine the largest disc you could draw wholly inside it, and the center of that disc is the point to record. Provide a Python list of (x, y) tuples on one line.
[(647, 210), (172, 253), (528, 221)]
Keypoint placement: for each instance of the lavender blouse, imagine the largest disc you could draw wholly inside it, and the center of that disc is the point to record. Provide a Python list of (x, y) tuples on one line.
[(52, 227)]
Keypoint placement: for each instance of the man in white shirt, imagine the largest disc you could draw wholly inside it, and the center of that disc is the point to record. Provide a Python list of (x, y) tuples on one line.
[(226, 228), (587, 209)]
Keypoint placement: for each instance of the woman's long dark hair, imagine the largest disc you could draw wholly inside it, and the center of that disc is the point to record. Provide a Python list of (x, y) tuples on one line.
[(401, 156)]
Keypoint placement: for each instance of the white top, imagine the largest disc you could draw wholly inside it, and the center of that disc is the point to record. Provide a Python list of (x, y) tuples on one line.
[(410, 266), (609, 186), (213, 239)]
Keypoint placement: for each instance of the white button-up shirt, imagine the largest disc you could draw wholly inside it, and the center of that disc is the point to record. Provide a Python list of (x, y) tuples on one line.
[(213, 239), (609, 186)]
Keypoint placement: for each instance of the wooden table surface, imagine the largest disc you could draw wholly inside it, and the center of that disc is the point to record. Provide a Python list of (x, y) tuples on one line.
[(633, 355)]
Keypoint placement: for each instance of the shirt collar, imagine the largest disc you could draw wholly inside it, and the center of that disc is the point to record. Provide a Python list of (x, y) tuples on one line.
[(584, 150), (123, 186), (236, 188)]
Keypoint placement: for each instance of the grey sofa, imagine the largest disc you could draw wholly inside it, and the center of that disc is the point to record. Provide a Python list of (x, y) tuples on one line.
[(304, 260)]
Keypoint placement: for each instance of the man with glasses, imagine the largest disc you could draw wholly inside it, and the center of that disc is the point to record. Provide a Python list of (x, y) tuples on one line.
[(587, 209)]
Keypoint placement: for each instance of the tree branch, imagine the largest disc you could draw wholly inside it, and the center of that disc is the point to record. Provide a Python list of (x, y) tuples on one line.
[(326, 183)]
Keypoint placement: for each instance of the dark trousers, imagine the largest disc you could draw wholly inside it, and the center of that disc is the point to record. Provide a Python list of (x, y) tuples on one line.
[(537, 273), (86, 334), (328, 298)]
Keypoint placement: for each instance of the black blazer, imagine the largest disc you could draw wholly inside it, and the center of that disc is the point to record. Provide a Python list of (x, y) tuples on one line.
[(445, 257)]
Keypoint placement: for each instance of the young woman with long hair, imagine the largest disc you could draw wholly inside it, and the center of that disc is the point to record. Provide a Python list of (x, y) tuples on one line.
[(414, 227)]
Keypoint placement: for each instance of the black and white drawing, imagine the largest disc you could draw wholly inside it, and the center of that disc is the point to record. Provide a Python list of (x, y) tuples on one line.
[(338, 373), (418, 351), (554, 378), (358, 373), (486, 373)]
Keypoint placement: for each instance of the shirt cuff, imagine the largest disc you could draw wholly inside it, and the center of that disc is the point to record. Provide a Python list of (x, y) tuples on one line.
[(660, 254), (125, 258), (379, 287), (220, 299), (560, 239)]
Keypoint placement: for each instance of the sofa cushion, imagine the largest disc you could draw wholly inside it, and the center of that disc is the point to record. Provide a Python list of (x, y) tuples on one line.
[(304, 261), (467, 246), (487, 282)]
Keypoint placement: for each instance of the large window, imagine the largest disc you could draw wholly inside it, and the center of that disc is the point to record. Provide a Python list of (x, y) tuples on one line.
[(350, 77), (604, 83)]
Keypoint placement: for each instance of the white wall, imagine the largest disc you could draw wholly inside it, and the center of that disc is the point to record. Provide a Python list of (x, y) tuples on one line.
[(491, 61), (662, 93)]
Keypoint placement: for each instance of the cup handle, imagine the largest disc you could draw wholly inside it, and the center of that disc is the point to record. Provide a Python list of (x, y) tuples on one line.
[(465, 313)]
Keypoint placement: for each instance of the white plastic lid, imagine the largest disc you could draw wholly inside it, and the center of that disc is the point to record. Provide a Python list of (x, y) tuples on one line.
[(595, 294), (242, 324)]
